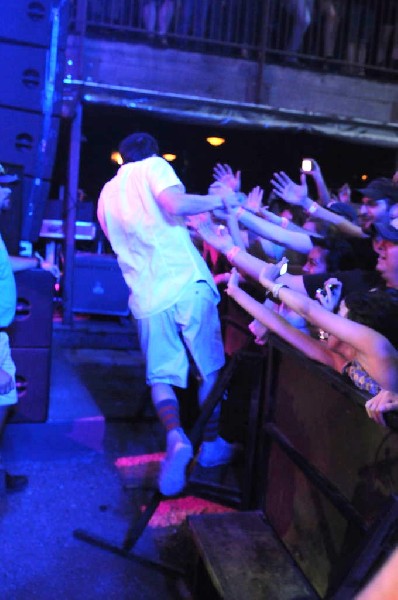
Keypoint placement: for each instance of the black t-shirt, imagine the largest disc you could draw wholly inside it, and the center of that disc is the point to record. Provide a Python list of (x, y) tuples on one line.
[(353, 281), (365, 256)]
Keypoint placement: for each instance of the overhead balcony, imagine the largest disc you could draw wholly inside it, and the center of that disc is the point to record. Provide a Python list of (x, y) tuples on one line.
[(264, 64)]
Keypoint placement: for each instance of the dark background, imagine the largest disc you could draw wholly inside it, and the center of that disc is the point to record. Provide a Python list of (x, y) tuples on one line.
[(257, 153)]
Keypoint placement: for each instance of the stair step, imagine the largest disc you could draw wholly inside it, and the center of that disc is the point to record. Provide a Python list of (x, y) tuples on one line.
[(239, 556)]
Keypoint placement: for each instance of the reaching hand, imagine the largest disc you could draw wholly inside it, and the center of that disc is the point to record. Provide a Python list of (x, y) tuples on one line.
[(209, 232), (270, 272), (230, 199), (383, 402), (49, 266), (315, 172), (289, 191), (254, 199), (6, 382), (329, 296), (225, 175), (233, 283), (259, 331)]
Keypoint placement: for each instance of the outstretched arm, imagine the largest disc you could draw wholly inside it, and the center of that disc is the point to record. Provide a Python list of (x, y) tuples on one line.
[(176, 202), (294, 240), (374, 352), (312, 348), (245, 262), (295, 194)]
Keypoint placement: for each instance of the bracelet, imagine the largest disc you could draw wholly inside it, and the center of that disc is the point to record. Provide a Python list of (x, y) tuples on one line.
[(232, 252), (313, 208), (239, 212), (276, 289)]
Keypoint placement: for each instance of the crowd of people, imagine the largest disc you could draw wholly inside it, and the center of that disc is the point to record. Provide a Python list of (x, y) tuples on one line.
[(324, 274), (342, 308)]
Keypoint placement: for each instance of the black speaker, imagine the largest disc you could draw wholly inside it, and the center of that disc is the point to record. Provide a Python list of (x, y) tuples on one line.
[(98, 285), (32, 326), (32, 22), (23, 78), (34, 197), (33, 38), (32, 380), (21, 134)]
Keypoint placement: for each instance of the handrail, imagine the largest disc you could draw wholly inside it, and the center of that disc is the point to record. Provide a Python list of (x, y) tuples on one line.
[(353, 38)]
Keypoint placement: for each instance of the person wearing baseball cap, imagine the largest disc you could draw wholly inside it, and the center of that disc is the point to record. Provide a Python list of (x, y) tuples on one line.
[(385, 237), (8, 298), (377, 198)]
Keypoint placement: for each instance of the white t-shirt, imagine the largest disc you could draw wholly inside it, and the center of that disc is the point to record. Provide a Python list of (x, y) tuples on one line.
[(154, 250)]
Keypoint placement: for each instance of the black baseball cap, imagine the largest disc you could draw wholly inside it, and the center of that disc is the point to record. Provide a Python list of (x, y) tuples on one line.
[(387, 231), (381, 189)]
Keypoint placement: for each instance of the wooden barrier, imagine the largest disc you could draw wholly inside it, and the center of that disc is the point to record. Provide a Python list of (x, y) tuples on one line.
[(325, 478)]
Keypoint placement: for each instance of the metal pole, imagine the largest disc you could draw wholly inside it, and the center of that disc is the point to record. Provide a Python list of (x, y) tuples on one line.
[(266, 5), (70, 217)]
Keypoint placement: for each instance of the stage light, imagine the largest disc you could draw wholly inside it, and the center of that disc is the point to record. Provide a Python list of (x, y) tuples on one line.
[(169, 157), (115, 156), (364, 177), (215, 141)]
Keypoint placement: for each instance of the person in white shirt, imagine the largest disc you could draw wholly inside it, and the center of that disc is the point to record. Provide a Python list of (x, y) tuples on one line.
[(172, 293)]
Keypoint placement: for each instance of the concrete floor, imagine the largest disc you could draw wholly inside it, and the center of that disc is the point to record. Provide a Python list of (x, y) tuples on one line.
[(78, 462)]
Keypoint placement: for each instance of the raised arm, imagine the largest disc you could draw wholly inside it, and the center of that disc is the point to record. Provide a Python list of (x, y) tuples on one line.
[(176, 202), (273, 321), (323, 192), (374, 352), (294, 240), (245, 262), (295, 194)]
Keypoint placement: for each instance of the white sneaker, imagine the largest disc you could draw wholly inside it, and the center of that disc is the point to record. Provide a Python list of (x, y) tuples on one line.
[(217, 452), (172, 478)]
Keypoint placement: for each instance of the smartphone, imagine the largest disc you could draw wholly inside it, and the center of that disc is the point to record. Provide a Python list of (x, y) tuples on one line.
[(283, 269), (322, 291), (306, 165)]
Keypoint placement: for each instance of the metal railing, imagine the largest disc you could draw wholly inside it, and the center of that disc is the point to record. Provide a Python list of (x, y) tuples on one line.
[(355, 37)]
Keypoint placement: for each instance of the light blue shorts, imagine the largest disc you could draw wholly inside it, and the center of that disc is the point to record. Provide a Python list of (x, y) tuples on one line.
[(7, 364), (191, 323)]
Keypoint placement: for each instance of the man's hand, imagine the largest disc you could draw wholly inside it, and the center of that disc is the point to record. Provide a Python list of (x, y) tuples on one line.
[(6, 382), (211, 234), (48, 266), (225, 175), (289, 191), (329, 296), (383, 402)]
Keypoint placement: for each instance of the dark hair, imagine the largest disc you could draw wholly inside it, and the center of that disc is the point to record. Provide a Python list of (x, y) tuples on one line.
[(138, 146), (340, 256), (377, 309)]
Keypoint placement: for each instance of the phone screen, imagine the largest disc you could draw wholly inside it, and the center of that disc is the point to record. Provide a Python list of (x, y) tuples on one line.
[(306, 165), (283, 269)]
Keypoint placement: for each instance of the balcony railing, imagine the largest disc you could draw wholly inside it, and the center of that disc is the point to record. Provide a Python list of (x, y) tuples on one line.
[(354, 37)]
